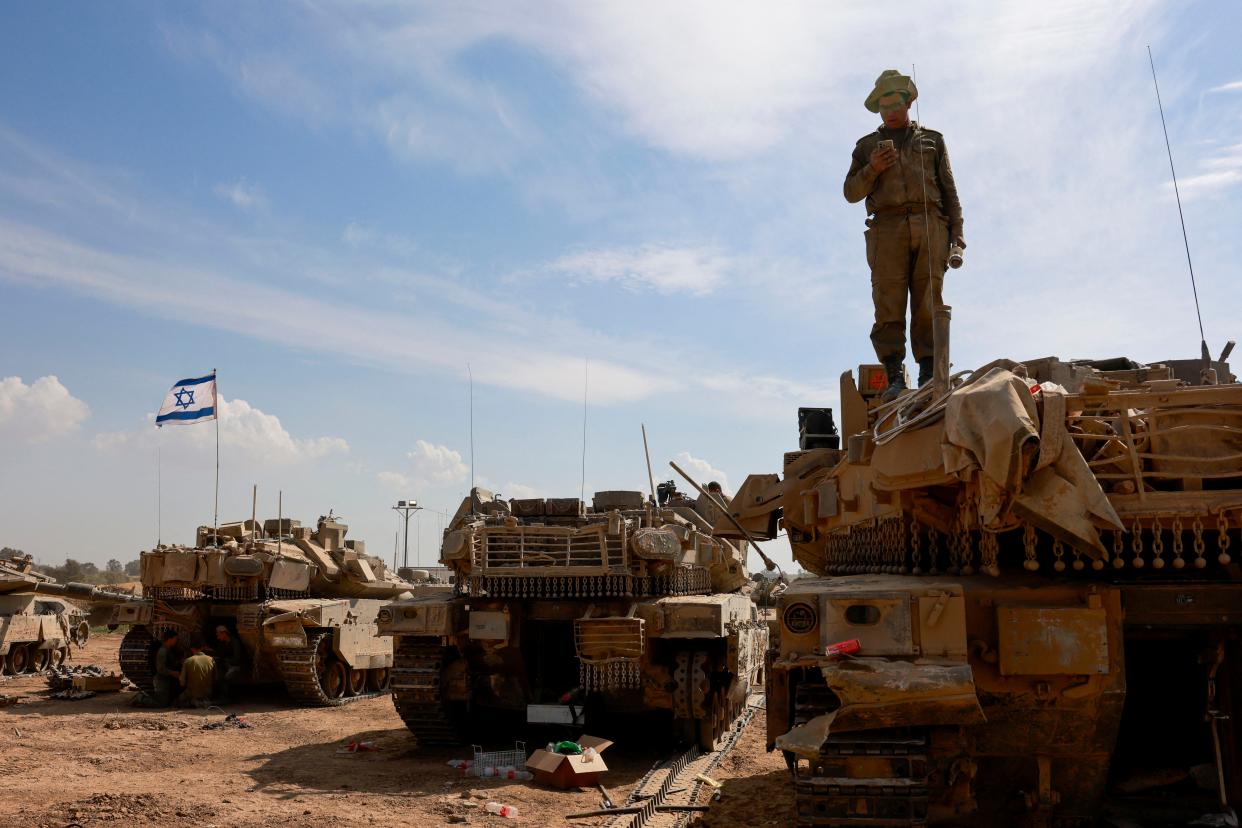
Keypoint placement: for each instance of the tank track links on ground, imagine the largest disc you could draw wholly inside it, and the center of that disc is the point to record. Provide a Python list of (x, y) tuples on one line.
[(824, 798), (306, 672), (135, 656), (418, 694)]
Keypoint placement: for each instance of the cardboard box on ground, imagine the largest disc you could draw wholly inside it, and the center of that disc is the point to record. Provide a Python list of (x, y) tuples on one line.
[(568, 771)]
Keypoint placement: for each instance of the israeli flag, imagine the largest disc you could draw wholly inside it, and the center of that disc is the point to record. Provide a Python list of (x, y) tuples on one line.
[(189, 401)]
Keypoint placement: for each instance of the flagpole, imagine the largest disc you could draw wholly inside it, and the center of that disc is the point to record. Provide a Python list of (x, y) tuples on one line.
[(215, 403), (159, 488)]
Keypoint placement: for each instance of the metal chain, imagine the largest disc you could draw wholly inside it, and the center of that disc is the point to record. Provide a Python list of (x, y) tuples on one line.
[(1119, 548), (916, 550), (1157, 544), (1058, 554), (1178, 544), (933, 551), (1031, 563), (990, 547), (1200, 546), (1136, 544), (1222, 538)]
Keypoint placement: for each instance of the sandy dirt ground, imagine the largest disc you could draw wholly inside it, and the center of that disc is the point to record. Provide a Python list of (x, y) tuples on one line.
[(101, 762)]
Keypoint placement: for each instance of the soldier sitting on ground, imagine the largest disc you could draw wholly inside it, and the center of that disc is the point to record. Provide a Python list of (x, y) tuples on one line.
[(198, 677), (167, 678), (230, 660)]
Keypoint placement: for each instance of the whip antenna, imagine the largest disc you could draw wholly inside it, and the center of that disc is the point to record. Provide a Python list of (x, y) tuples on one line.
[(586, 377), (1203, 348)]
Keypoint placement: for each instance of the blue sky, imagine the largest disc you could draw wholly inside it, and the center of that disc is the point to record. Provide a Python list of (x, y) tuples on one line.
[(342, 206)]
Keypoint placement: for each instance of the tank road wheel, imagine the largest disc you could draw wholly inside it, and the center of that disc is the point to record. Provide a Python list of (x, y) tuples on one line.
[(137, 657), (81, 633), (357, 681), (377, 679), (313, 674), (59, 656), (39, 660), (418, 672), (335, 680), (18, 660)]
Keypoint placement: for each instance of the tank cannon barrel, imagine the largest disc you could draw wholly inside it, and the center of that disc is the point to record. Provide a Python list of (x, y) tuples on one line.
[(86, 592)]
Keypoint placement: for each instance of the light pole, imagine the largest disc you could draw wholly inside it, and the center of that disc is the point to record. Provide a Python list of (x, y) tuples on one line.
[(406, 508)]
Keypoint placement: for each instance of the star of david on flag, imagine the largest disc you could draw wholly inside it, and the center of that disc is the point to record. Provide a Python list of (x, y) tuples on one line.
[(189, 401)]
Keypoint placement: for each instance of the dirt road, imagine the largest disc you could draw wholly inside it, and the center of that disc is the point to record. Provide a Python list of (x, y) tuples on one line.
[(101, 762)]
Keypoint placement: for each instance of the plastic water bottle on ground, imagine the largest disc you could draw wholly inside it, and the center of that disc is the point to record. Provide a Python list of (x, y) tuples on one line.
[(506, 811)]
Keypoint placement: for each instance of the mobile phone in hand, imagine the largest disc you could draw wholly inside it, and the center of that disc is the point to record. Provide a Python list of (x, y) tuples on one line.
[(886, 144)]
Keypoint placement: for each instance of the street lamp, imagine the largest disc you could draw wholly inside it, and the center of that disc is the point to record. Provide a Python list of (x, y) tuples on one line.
[(406, 508)]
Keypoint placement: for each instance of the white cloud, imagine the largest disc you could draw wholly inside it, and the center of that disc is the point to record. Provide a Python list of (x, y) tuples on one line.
[(39, 411), (249, 434), (1223, 170), (395, 481), (242, 194), (1232, 86), (667, 270), (703, 472), (436, 465), (533, 359), (521, 491)]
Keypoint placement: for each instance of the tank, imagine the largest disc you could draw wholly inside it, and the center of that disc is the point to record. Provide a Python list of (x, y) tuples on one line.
[(302, 602), (565, 613), (1023, 599), (37, 626)]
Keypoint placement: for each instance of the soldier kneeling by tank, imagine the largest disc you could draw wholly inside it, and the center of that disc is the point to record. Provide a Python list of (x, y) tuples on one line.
[(230, 659), (198, 677), (167, 679)]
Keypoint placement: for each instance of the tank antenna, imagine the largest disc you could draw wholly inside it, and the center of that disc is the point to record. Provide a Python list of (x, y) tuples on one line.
[(586, 377), (647, 453), (1203, 348), (470, 378)]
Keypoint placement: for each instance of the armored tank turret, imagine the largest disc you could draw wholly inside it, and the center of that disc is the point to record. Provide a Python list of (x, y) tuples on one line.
[(36, 629), (1029, 602), (565, 611), (302, 602)]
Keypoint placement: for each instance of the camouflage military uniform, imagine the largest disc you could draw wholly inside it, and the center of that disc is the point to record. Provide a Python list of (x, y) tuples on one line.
[(167, 674), (906, 253), (198, 677)]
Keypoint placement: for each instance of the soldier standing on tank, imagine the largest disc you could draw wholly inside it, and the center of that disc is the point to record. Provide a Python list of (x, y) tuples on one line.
[(902, 170), (167, 669)]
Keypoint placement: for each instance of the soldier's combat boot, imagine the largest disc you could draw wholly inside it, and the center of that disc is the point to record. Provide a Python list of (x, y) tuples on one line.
[(896, 379), (926, 370)]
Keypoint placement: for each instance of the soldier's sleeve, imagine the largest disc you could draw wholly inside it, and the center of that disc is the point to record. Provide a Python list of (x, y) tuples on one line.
[(860, 180), (948, 192)]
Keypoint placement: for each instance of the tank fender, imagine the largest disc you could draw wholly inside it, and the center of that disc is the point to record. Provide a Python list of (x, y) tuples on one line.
[(878, 693), (428, 615), (360, 647), (135, 613)]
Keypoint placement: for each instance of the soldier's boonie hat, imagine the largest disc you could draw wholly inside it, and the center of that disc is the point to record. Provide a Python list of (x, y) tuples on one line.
[(890, 81)]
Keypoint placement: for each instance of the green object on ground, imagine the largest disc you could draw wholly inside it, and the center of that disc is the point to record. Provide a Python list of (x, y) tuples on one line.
[(569, 748)]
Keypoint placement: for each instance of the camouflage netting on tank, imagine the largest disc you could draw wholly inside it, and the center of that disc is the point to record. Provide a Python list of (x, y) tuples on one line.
[(684, 580)]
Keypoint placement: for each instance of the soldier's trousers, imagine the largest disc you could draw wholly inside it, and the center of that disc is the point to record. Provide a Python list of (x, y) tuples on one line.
[(906, 261)]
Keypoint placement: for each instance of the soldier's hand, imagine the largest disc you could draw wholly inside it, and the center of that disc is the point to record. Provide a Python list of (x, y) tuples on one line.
[(882, 159)]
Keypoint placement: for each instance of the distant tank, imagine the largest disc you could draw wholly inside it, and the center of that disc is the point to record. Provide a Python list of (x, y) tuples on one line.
[(302, 602), (1029, 609), (565, 612), (37, 625)]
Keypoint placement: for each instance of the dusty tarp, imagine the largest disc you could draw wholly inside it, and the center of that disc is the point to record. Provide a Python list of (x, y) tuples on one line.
[(879, 693), (992, 427)]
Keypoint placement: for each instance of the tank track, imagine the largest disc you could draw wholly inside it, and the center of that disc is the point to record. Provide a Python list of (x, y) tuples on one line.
[(825, 796), (418, 664), (297, 670), (135, 657)]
